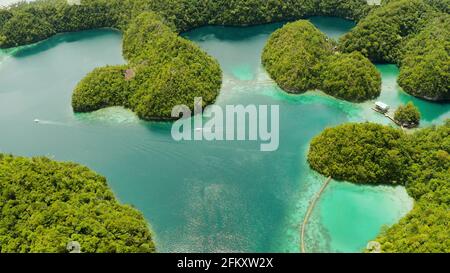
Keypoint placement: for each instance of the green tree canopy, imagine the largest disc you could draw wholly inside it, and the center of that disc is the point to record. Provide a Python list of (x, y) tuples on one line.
[(370, 153), (25, 28), (425, 64), (164, 70), (101, 88), (183, 14), (381, 34), (294, 54), (44, 205), (423, 230), (300, 58), (360, 153), (408, 114), (351, 77)]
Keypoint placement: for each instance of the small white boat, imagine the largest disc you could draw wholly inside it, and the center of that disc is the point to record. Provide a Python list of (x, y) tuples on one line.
[(37, 121)]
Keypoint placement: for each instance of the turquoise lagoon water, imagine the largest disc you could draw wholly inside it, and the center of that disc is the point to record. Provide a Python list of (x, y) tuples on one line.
[(202, 196)]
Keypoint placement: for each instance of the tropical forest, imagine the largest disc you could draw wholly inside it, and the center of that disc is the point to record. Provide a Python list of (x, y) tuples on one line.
[(138, 126)]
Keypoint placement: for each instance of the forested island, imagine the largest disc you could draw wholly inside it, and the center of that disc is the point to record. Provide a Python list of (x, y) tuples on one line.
[(164, 70), (151, 44), (376, 154), (415, 34), (411, 33), (45, 205), (300, 58)]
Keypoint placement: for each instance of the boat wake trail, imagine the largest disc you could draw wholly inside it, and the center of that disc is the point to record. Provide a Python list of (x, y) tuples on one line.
[(49, 122)]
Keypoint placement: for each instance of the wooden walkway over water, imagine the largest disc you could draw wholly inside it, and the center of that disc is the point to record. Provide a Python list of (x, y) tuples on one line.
[(389, 117), (310, 210)]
